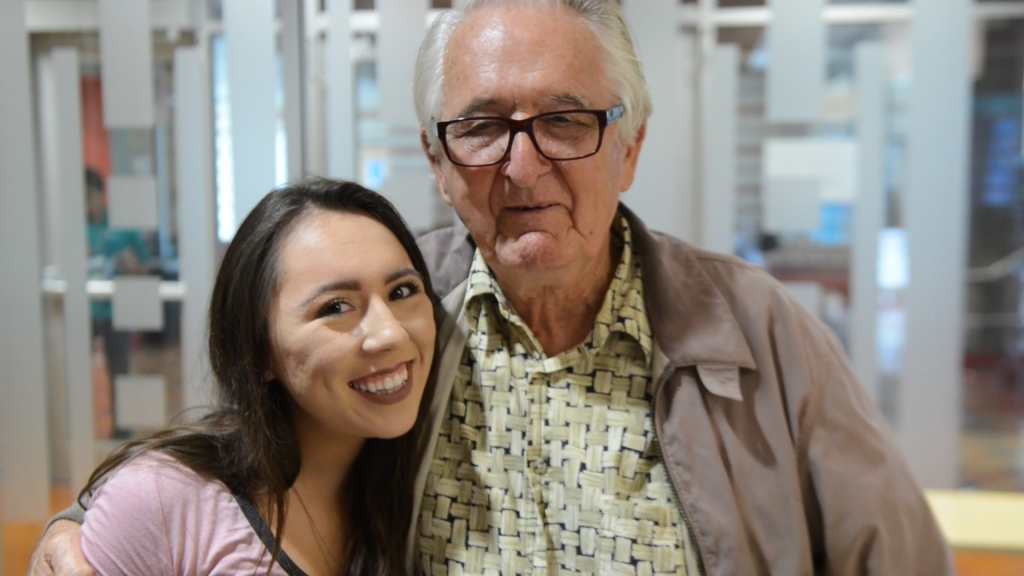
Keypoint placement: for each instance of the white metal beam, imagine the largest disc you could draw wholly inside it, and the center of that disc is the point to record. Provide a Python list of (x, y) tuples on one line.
[(721, 109), (341, 107), (868, 214), (657, 188), (936, 208), (67, 177), (24, 433), (196, 209), (293, 66), (83, 15), (251, 66), (877, 13)]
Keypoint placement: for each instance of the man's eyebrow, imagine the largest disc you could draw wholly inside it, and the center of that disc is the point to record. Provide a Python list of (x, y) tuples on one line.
[(476, 106), (355, 285), (572, 100)]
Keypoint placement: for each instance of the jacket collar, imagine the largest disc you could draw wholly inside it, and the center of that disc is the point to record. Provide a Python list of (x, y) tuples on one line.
[(691, 321)]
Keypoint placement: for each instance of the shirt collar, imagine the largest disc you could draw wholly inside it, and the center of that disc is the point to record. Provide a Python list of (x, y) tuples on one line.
[(622, 311)]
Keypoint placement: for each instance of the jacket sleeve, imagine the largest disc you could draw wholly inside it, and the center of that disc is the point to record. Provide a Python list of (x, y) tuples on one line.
[(874, 515), (74, 513)]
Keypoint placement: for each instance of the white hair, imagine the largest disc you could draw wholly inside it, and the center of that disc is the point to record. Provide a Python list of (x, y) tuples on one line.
[(602, 16)]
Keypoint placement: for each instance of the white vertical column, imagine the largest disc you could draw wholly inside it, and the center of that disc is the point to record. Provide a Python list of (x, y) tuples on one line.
[(657, 186), (196, 238), (868, 214), (293, 78), (315, 93), (341, 109), (688, 206), (24, 445), (718, 196), (68, 179), (126, 57), (796, 74), (408, 183), (250, 47), (402, 28), (936, 208)]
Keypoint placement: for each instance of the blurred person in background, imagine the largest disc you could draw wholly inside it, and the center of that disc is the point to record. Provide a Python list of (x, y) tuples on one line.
[(111, 253)]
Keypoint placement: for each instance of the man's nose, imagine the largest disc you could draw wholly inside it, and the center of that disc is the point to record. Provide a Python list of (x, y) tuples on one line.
[(382, 331), (525, 162)]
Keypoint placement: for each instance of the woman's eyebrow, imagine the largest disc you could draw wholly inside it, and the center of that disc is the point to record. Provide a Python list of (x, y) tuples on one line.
[(337, 286), (355, 285), (402, 273)]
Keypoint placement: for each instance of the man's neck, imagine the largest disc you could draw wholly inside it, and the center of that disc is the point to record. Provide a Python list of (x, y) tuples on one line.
[(561, 312)]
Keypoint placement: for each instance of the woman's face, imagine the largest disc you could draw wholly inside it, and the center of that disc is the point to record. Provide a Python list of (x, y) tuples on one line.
[(351, 327)]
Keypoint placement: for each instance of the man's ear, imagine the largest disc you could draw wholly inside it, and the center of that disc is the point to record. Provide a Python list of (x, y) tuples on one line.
[(629, 159), (435, 165)]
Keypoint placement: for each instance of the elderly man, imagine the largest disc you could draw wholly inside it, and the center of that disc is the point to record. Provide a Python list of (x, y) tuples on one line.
[(611, 400)]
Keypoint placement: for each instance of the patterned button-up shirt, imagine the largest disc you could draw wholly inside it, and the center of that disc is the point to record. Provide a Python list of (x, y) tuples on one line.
[(548, 465)]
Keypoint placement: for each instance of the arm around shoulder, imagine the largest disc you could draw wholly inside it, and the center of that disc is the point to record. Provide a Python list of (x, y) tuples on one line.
[(59, 552)]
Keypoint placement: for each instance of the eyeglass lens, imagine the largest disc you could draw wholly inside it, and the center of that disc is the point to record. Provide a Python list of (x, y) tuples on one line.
[(560, 137)]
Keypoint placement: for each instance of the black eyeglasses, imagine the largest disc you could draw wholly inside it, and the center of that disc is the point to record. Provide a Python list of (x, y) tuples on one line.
[(562, 135)]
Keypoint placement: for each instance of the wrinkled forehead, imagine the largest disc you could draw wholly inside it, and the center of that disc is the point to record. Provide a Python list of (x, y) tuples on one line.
[(514, 53)]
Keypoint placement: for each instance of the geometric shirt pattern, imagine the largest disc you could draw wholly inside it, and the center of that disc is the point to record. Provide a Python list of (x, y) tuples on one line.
[(550, 465)]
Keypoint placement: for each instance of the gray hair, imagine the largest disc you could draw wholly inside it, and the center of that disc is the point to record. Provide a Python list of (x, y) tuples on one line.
[(602, 16)]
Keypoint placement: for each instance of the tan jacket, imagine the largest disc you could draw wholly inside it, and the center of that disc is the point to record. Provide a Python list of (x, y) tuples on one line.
[(781, 462)]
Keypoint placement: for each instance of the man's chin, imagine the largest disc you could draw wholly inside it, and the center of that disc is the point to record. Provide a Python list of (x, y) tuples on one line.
[(531, 252)]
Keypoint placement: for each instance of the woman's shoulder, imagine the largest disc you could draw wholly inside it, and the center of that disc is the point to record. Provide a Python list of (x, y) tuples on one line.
[(158, 480), (183, 521)]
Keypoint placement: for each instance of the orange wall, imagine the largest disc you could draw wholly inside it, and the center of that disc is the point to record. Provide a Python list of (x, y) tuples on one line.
[(95, 142)]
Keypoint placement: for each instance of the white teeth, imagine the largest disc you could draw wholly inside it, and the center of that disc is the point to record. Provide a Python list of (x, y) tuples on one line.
[(387, 385)]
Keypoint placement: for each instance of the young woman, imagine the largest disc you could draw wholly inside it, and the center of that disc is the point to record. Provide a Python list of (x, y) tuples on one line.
[(321, 340)]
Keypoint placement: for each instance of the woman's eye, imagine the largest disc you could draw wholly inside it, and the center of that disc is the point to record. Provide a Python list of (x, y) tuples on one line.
[(407, 290), (334, 308)]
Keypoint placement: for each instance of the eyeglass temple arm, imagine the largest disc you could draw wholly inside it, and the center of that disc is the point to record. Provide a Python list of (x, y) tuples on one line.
[(614, 113)]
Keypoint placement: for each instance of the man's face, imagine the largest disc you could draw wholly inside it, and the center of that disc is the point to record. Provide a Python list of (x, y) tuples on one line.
[(529, 214)]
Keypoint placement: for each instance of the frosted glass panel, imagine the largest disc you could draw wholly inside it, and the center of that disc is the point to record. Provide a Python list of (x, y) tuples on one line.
[(414, 198), (251, 72), (830, 161), (133, 202), (136, 303), (796, 73), (401, 30), (140, 401), (792, 205), (126, 57)]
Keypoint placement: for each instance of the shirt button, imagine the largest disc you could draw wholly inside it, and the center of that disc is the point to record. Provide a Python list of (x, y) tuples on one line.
[(540, 466)]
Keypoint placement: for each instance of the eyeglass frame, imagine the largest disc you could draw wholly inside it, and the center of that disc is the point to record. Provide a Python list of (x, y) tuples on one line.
[(525, 125)]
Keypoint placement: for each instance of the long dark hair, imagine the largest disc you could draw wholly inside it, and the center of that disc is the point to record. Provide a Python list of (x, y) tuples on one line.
[(248, 441)]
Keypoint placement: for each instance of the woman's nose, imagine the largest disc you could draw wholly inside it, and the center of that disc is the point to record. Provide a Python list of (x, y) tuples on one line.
[(382, 330)]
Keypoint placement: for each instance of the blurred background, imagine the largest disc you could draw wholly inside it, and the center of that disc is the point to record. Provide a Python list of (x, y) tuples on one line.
[(868, 154)]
